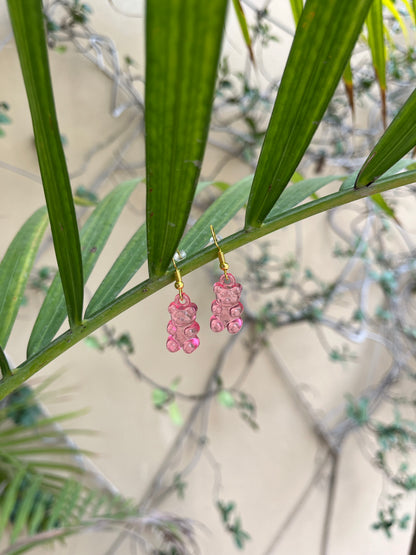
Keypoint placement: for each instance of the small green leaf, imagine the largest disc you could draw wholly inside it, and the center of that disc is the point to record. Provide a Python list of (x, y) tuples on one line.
[(94, 236), (226, 399), (160, 397), (398, 139), (357, 409), (380, 201), (84, 197), (180, 486), (175, 414), (404, 521), (225, 509), (4, 118), (93, 343), (15, 269)]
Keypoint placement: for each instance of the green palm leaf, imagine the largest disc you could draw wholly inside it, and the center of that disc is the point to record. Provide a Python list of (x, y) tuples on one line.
[(9, 497), (396, 14), (218, 215), (378, 50), (233, 199), (25, 508), (15, 269), (324, 39), (149, 286), (130, 260), (297, 7), (349, 85), (39, 494), (29, 32), (398, 139), (94, 235), (183, 39), (239, 12), (298, 192)]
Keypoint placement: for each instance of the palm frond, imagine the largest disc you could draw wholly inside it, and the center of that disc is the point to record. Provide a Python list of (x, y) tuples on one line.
[(47, 491)]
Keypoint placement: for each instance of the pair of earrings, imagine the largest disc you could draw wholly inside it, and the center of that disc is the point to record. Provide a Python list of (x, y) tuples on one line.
[(226, 309)]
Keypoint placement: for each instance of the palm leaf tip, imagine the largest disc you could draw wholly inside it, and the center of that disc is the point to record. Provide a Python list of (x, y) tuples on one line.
[(29, 32), (183, 41), (324, 39), (398, 139)]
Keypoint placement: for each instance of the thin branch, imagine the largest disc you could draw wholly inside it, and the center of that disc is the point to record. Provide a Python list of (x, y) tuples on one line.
[(329, 511), (268, 17), (413, 542), (177, 445), (20, 171), (156, 491), (317, 426), (310, 486)]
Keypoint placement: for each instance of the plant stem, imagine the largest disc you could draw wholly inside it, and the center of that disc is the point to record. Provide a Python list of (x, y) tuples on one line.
[(299, 504), (329, 504), (413, 542), (150, 286)]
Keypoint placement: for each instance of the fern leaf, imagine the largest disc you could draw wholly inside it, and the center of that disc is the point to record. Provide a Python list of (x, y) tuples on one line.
[(27, 504), (73, 498), (57, 507), (9, 499), (89, 496), (38, 514)]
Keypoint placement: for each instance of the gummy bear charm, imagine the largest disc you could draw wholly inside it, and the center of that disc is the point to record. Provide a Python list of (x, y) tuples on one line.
[(182, 327), (227, 308)]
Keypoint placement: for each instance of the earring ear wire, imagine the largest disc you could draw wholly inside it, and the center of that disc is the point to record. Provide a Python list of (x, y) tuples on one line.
[(178, 280), (223, 264)]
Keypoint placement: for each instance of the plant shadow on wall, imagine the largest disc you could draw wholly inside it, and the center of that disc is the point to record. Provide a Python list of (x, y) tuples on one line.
[(371, 299)]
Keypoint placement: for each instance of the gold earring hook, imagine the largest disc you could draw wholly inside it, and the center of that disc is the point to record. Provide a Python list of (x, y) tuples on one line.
[(178, 280), (223, 265)]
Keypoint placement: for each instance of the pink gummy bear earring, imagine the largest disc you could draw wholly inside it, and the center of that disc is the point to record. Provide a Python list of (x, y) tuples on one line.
[(226, 308), (182, 327)]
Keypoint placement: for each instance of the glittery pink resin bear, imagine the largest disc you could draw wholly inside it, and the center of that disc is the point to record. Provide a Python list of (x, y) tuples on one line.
[(227, 308), (183, 327)]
